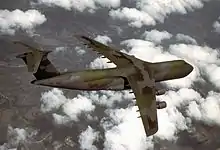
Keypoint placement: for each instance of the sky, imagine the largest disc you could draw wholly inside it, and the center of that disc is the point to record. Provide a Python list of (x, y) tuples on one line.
[(159, 30)]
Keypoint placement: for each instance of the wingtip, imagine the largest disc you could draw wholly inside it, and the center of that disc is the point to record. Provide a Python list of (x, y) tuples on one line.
[(80, 36), (33, 82), (47, 52), (151, 132), (20, 56)]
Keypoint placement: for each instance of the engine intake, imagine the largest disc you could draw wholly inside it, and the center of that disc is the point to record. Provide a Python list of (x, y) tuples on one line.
[(161, 105), (160, 92)]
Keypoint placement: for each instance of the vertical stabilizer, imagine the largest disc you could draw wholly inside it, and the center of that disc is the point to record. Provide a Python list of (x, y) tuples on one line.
[(32, 59), (37, 62)]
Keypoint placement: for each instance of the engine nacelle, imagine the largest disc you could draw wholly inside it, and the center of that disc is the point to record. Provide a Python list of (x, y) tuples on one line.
[(161, 105), (160, 92)]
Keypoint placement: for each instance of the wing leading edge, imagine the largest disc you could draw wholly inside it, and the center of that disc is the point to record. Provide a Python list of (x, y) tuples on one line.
[(118, 58)]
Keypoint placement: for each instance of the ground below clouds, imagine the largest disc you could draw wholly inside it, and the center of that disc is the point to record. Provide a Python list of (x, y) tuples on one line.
[(107, 119)]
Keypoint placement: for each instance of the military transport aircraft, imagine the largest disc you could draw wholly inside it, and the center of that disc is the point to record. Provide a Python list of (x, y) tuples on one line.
[(130, 73)]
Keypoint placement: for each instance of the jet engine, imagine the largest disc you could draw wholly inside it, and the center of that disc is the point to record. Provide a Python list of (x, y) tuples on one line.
[(160, 92), (161, 105)]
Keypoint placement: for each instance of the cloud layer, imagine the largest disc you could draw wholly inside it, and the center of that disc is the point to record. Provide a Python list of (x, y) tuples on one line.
[(216, 26), (204, 58), (185, 38), (150, 12), (156, 36), (16, 136), (87, 138), (10, 21), (144, 12), (122, 128), (81, 5), (98, 62), (55, 101)]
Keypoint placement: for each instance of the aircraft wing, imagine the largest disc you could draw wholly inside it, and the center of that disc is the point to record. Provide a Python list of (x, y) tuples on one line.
[(118, 58), (146, 102)]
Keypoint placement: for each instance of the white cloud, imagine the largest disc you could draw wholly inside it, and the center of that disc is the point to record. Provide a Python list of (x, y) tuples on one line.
[(204, 58), (198, 54), (171, 119), (100, 62), (60, 49), (52, 100), (126, 131), (108, 98), (206, 109), (124, 126), (108, 3), (212, 71), (103, 39), (67, 110), (16, 136), (123, 130), (156, 36), (118, 29), (10, 21), (61, 119), (57, 145), (77, 105), (135, 17), (186, 81), (82, 5), (216, 26), (71, 108), (148, 51), (87, 138), (149, 12), (91, 118), (79, 50), (185, 38)]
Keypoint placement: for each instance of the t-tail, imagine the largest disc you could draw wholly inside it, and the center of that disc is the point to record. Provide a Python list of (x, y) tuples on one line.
[(37, 62)]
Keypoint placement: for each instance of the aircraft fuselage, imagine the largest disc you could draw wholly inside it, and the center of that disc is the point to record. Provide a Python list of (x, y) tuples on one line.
[(115, 78)]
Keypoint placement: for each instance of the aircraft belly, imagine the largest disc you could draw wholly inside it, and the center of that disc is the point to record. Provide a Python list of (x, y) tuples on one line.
[(84, 82), (105, 84), (164, 75)]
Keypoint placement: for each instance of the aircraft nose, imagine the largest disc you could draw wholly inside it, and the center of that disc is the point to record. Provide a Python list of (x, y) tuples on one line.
[(189, 68)]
